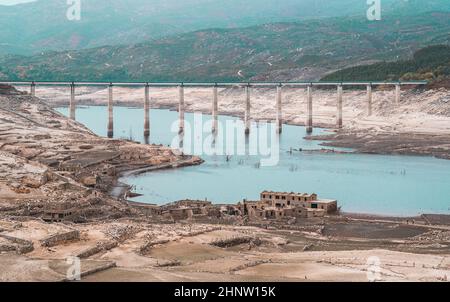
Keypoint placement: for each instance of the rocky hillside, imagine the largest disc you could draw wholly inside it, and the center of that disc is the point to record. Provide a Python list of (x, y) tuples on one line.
[(281, 51), (9, 90)]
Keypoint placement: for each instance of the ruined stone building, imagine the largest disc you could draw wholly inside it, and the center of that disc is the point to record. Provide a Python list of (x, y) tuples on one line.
[(272, 205), (279, 205), (187, 209), (309, 201), (59, 213)]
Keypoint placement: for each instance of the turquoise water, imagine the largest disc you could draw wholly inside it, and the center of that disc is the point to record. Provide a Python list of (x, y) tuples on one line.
[(378, 184)]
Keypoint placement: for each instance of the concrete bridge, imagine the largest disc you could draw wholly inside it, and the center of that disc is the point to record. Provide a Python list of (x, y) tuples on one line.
[(215, 99)]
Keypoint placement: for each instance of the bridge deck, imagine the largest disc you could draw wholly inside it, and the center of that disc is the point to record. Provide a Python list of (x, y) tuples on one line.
[(209, 84)]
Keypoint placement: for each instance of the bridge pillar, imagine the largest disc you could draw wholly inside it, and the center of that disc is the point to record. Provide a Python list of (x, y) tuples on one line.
[(147, 111), (369, 100), (72, 102), (247, 110), (33, 89), (215, 109), (279, 110), (309, 110), (181, 107), (110, 112), (339, 107), (397, 93)]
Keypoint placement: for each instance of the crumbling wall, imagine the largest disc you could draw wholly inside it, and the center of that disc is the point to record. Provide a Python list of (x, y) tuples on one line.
[(21, 246), (59, 238), (103, 267), (145, 249), (7, 247), (121, 233), (201, 232), (99, 247), (229, 242), (249, 264)]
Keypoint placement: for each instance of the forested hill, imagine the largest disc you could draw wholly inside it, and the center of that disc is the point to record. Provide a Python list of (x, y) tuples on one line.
[(42, 25), (272, 52), (431, 63)]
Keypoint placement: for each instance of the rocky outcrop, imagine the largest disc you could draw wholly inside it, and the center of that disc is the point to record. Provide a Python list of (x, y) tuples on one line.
[(9, 90)]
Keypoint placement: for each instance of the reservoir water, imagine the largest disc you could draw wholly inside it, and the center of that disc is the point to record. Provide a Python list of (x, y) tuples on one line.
[(377, 184)]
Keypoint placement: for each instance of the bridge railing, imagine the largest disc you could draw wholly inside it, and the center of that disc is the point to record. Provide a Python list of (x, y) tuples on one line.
[(211, 84)]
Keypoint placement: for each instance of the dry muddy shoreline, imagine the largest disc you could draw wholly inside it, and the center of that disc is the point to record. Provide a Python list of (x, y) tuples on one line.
[(411, 144), (121, 190)]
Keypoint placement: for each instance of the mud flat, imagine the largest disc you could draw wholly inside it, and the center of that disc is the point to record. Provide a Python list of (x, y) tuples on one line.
[(420, 144), (56, 179)]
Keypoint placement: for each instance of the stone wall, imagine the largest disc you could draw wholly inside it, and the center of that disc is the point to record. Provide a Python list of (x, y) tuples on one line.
[(57, 239), (145, 249), (99, 247), (229, 242), (21, 246)]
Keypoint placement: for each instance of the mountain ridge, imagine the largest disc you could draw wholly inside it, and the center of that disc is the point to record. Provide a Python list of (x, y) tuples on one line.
[(39, 26), (280, 51)]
